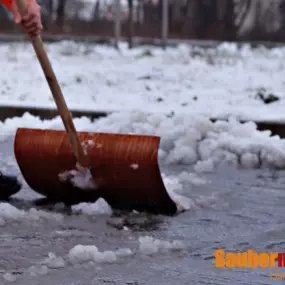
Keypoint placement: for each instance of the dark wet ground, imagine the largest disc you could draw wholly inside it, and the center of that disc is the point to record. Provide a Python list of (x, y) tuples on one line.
[(236, 211)]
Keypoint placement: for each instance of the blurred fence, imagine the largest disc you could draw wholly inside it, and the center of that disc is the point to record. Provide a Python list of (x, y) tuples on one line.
[(225, 20)]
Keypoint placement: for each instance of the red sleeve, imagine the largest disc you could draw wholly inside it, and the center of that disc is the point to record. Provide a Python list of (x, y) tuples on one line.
[(7, 3)]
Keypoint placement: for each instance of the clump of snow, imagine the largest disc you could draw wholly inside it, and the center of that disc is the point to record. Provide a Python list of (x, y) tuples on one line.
[(123, 252), (53, 261), (81, 254), (82, 179), (13, 214), (149, 245), (134, 166), (191, 178), (173, 187), (9, 277), (100, 207), (86, 145), (36, 270)]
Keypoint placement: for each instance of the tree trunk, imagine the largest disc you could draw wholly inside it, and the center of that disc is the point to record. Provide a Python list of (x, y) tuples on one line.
[(60, 14), (131, 23)]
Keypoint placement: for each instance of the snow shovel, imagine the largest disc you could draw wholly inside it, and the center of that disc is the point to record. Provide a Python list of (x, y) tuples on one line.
[(122, 169)]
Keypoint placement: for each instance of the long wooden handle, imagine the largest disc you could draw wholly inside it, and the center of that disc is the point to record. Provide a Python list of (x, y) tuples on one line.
[(56, 92)]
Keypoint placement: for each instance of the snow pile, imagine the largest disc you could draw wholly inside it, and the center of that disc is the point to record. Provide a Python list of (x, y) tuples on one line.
[(81, 253), (149, 245), (100, 207), (12, 214), (184, 139)]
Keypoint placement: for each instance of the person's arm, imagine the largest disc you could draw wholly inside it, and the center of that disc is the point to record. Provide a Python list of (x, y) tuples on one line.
[(32, 21)]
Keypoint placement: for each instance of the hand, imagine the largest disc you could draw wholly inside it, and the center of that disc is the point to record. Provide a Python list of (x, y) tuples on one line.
[(31, 21)]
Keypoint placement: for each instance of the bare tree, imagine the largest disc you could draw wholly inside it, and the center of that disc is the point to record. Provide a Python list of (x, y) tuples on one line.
[(131, 23), (60, 13)]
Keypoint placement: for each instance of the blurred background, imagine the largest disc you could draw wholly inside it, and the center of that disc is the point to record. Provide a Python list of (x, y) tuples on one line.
[(223, 20)]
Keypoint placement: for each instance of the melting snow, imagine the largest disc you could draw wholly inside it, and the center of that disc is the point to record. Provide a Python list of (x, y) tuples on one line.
[(98, 208), (9, 213), (150, 245)]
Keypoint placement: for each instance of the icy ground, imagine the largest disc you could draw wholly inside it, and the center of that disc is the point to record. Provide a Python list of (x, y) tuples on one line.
[(218, 82), (224, 174)]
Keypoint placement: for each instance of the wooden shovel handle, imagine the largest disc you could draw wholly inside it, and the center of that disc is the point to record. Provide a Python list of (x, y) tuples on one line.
[(56, 92)]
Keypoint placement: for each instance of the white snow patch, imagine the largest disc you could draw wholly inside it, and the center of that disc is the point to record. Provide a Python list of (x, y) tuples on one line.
[(86, 145), (134, 166), (11, 213), (81, 254), (181, 74), (100, 207), (149, 245)]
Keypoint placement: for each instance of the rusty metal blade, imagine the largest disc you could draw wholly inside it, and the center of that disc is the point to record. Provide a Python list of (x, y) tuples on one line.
[(125, 167)]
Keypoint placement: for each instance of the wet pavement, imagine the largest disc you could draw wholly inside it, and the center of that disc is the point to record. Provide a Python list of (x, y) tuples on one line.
[(236, 210)]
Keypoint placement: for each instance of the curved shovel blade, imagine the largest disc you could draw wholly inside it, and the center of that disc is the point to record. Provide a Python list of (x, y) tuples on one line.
[(124, 168)]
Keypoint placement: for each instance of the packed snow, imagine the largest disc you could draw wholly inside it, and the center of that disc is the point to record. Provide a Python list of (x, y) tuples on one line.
[(218, 82)]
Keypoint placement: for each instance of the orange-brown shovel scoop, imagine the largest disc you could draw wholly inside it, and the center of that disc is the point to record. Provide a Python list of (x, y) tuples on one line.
[(123, 167)]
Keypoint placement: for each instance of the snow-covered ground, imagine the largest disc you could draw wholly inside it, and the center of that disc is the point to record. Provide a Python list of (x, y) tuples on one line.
[(217, 82), (146, 87)]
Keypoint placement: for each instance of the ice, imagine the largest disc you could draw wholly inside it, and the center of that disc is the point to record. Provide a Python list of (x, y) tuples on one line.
[(100, 207), (35, 270), (81, 254), (123, 252), (9, 277), (9, 213), (53, 261), (173, 187), (191, 178), (149, 245)]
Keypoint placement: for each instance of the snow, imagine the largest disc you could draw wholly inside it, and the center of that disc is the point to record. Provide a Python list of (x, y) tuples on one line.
[(9, 277), (180, 88), (53, 261), (81, 253), (79, 178), (150, 245), (218, 82), (9, 213), (100, 207)]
